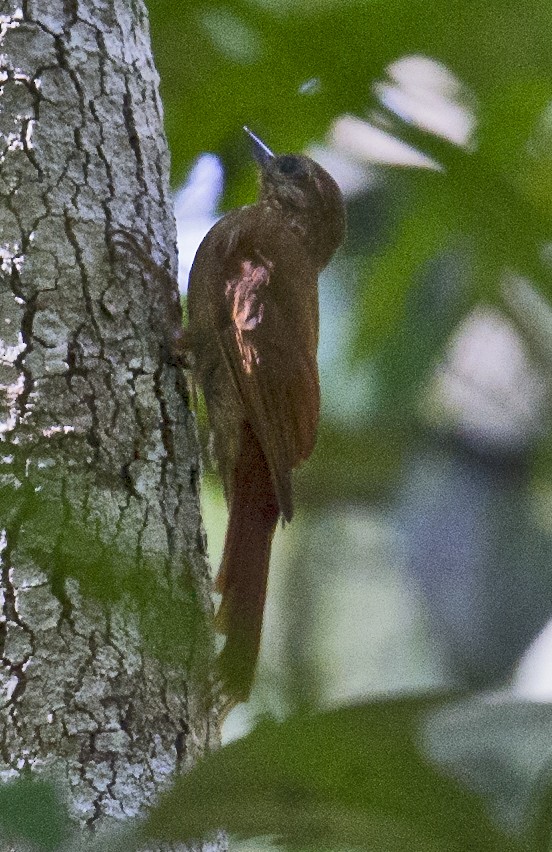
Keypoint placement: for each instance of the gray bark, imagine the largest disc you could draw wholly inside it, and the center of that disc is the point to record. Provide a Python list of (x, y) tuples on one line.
[(104, 580)]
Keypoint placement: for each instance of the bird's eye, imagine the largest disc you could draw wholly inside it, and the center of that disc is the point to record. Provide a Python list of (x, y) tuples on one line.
[(292, 166)]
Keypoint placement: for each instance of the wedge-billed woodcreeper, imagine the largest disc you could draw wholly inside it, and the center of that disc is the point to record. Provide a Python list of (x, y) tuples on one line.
[(253, 332)]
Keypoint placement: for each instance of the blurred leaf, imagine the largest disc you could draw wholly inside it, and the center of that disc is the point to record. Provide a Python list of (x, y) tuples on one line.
[(352, 465), (509, 118), (350, 777), (421, 235), (481, 207), (415, 292), (225, 64), (33, 811), (514, 138), (501, 748), (533, 313)]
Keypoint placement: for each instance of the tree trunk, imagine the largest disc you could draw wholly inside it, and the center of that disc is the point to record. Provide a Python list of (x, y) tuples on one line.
[(105, 599)]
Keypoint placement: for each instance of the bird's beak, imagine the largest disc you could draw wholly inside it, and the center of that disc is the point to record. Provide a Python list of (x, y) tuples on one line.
[(261, 152)]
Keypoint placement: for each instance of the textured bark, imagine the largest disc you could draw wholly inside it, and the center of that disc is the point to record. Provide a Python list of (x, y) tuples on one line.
[(97, 433)]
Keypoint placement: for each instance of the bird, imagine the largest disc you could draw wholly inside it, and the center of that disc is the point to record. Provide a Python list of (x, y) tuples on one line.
[(253, 334)]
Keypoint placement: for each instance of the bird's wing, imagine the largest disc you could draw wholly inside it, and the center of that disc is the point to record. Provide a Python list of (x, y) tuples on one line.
[(273, 369)]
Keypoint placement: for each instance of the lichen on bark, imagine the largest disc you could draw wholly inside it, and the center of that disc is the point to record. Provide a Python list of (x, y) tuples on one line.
[(101, 550)]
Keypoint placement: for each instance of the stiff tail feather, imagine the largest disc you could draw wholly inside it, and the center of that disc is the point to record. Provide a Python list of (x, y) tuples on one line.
[(242, 579)]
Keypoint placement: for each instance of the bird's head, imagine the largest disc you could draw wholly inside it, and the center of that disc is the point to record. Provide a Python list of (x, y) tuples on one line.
[(306, 195)]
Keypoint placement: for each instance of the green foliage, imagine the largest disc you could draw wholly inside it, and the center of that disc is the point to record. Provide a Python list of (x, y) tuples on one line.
[(32, 811), (433, 774), (289, 70), (392, 775), (225, 64), (369, 777)]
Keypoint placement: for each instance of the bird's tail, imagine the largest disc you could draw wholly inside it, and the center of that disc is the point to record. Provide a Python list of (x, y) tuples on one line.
[(243, 575)]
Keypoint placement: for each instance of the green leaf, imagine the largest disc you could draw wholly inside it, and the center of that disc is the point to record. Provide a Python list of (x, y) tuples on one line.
[(514, 139), (226, 64), (501, 748), (388, 279), (533, 313), (350, 777), (33, 811)]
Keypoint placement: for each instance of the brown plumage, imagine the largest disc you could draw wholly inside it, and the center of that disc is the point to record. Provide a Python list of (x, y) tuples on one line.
[(253, 331)]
